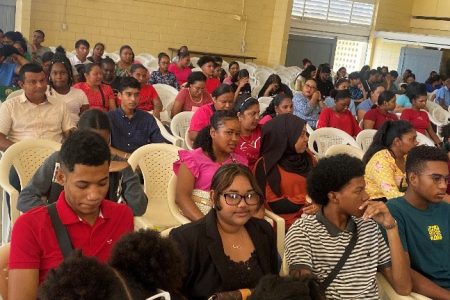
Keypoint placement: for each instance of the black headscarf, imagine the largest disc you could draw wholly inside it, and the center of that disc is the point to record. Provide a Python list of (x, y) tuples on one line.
[(278, 148)]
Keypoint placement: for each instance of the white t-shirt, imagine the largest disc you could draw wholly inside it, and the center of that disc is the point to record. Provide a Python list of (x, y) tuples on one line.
[(74, 99)]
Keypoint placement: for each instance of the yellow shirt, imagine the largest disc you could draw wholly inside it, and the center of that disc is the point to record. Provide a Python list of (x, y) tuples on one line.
[(383, 177)]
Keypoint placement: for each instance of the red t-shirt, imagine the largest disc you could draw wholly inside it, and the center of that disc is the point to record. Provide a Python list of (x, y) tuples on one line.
[(34, 244), (418, 119), (201, 117), (249, 146), (95, 97), (146, 97), (212, 84), (184, 97), (344, 121), (378, 117), (181, 74)]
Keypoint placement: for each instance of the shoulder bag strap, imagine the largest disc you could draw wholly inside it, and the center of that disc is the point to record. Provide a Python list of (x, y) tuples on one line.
[(61, 232), (348, 250)]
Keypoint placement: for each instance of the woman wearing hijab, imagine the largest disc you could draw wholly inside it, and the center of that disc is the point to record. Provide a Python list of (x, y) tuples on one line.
[(284, 164)]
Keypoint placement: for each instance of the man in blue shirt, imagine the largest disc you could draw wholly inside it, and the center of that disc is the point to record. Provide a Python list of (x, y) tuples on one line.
[(131, 127), (423, 217), (8, 70), (443, 94)]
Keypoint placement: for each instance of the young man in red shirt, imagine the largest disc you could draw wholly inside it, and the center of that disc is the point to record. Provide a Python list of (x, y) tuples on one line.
[(93, 224)]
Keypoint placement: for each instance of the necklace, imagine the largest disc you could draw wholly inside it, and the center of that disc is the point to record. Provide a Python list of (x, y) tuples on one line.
[(193, 101), (235, 246)]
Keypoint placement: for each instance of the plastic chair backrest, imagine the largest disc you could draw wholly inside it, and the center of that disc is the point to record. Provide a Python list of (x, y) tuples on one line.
[(345, 149), (265, 100), (323, 138), (187, 141), (180, 124), (422, 139), (156, 163), (166, 93), (171, 197), (365, 138)]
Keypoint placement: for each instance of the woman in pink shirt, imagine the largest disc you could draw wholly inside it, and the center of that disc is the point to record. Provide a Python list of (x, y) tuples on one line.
[(233, 69), (193, 96), (339, 116), (280, 104), (214, 147), (207, 64), (181, 67), (416, 114), (374, 118), (100, 96), (250, 139)]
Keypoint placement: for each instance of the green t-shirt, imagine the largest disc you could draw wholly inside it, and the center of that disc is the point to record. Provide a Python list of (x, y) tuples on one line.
[(425, 235)]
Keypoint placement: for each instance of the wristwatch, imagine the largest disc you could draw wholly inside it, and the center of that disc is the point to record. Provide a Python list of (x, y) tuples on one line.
[(390, 226)]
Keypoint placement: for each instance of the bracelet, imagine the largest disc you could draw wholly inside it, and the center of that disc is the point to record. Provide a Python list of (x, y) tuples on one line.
[(391, 226)]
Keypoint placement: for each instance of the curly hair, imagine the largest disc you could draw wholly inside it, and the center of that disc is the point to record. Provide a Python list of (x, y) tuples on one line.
[(418, 156), (331, 174), (287, 288), (148, 260), (79, 277)]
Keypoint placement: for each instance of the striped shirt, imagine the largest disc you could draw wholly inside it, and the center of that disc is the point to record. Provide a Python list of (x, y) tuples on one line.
[(316, 244)]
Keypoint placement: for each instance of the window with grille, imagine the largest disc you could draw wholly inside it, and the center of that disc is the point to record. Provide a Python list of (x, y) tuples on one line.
[(341, 11)]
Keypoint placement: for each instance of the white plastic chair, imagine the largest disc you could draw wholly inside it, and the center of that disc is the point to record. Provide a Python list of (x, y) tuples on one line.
[(26, 157), (262, 107), (345, 149), (265, 100), (166, 134), (161, 294), (365, 138), (269, 216), (387, 292), (309, 129), (180, 124), (422, 139), (156, 163), (166, 94), (187, 141), (323, 138)]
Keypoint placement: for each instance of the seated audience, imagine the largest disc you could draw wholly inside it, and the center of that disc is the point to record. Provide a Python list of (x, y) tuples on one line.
[(340, 74), (132, 127), (385, 160), (339, 116), (357, 91), (433, 83), (163, 75), (46, 61), (409, 78), (81, 53), (280, 104), (97, 53), (100, 95), (375, 117), (60, 86), (347, 222), (19, 119), (148, 97), (281, 171), (308, 103), (222, 99), (250, 139), (109, 76), (37, 50), (124, 185), (92, 224), (123, 66), (21, 46), (273, 86), (242, 86), (391, 81), (228, 249), (443, 94), (9, 69), (193, 96), (370, 102), (233, 70), (207, 64), (417, 115), (324, 84), (214, 146), (307, 73), (341, 85), (219, 72), (287, 288), (180, 68), (423, 221), (404, 101)]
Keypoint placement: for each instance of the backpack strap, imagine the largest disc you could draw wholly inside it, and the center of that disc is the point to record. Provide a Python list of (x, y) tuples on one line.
[(61, 232)]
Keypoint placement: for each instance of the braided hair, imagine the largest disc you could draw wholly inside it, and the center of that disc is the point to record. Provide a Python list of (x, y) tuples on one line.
[(60, 57)]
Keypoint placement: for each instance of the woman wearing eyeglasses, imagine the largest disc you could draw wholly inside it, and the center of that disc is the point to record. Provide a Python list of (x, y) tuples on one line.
[(228, 249), (214, 147), (282, 170), (193, 96), (385, 160), (308, 103)]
